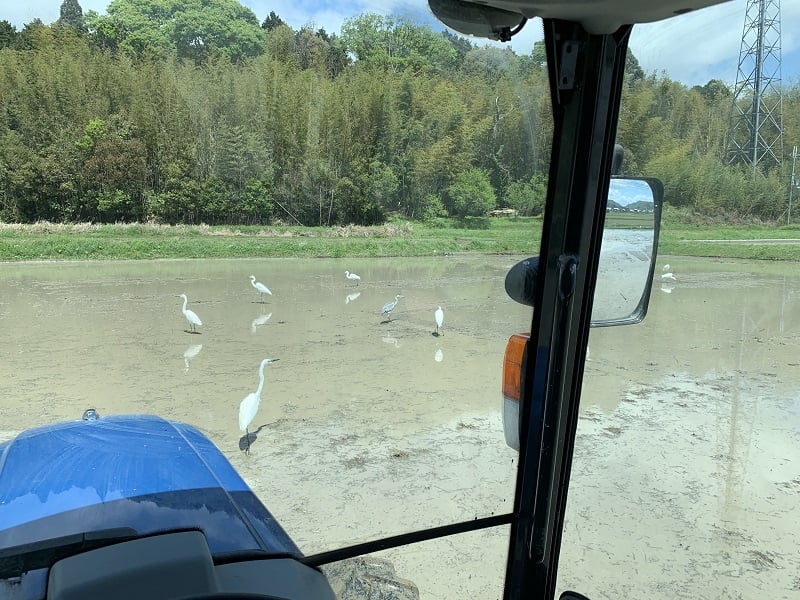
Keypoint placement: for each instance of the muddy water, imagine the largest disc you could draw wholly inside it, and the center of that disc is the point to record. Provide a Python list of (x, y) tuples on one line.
[(686, 480), (368, 426)]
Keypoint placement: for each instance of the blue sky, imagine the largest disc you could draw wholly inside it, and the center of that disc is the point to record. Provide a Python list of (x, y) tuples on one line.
[(683, 47)]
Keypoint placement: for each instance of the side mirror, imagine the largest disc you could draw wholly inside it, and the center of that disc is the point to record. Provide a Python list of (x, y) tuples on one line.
[(624, 278), (628, 251), (627, 255)]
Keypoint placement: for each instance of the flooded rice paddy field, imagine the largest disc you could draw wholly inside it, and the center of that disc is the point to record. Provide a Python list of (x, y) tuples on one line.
[(687, 467)]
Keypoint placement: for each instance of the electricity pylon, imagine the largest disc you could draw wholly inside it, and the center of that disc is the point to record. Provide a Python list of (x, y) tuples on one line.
[(755, 132)]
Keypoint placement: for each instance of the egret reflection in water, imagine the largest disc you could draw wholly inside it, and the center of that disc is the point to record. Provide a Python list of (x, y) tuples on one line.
[(439, 355), (259, 321), (391, 340), (351, 297), (190, 353)]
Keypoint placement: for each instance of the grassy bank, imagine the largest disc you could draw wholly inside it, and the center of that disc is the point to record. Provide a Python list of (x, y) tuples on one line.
[(48, 241), (728, 241)]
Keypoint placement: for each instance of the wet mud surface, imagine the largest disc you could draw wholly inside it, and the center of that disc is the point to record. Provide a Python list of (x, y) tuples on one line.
[(687, 466)]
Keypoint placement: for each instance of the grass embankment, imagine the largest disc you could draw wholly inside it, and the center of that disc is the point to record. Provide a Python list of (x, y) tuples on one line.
[(48, 241), (766, 242)]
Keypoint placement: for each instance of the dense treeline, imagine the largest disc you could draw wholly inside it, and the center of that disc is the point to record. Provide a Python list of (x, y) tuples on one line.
[(204, 115)]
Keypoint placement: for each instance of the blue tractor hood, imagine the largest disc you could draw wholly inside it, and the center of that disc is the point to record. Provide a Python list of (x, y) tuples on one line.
[(142, 474)]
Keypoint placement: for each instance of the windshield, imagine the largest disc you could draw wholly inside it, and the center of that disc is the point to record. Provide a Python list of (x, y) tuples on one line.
[(187, 191), (315, 198), (685, 471)]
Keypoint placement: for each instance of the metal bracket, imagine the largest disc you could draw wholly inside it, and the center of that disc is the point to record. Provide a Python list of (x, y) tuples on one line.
[(568, 65)]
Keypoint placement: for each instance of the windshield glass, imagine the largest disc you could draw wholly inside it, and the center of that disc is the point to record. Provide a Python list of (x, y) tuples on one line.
[(315, 189), (685, 472), (289, 228)]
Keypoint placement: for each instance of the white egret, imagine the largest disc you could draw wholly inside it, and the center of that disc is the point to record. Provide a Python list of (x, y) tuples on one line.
[(249, 406), (262, 289), (352, 276), (190, 315), (439, 316), (389, 306)]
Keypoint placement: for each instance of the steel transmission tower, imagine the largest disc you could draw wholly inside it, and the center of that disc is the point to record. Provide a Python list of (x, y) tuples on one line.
[(755, 133)]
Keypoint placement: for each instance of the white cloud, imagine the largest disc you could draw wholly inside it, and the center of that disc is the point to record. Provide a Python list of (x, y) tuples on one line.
[(704, 45)]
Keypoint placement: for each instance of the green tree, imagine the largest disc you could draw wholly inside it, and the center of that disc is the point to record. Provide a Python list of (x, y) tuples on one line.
[(396, 44), (8, 35), (192, 29), (272, 21), (71, 15), (527, 197), (471, 194), (539, 53)]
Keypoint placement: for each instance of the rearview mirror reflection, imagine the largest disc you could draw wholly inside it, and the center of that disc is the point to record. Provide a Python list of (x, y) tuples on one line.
[(627, 255), (628, 251)]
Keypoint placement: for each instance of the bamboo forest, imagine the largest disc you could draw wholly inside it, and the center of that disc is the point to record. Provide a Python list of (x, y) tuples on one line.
[(206, 113)]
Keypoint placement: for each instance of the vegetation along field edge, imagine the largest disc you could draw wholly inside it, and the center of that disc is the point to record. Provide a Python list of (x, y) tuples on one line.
[(51, 241)]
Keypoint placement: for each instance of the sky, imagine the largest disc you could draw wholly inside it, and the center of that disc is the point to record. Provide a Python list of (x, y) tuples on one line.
[(682, 47)]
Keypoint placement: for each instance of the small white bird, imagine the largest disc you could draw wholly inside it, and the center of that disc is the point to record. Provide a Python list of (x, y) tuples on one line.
[(262, 289), (249, 406), (352, 276), (389, 306), (439, 316), (668, 276), (191, 316)]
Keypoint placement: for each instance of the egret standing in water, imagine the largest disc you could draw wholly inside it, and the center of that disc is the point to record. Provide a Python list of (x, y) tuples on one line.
[(249, 406), (191, 316), (352, 276), (389, 307), (262, 289), (439, 316)]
